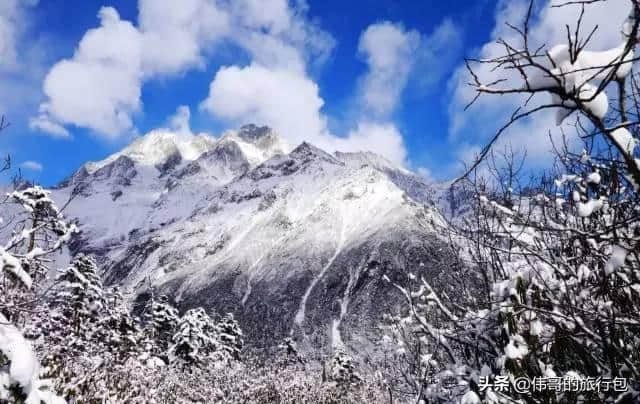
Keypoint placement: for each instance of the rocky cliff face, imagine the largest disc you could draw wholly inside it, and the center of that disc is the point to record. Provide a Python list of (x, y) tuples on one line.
[(293, 242)]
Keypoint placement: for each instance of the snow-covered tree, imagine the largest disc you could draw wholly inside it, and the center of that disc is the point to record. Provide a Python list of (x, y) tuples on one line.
[(557, 291), (289, 348), (32, 230), (91, 345), (20, 370), (36, 230), (199, 340), (579, 82), (343, 370), (230, 336), (118, 330), (196, 339), (79, 296), (161, 321), (71, 325)]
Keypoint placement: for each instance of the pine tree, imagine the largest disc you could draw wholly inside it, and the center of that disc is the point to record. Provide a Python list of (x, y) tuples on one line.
[(161, 322), (343, 370), (230, 336), (290, 350), (95, 339), (73, 323), (195, 341), (75, 308), (80, 296), (119, 331)]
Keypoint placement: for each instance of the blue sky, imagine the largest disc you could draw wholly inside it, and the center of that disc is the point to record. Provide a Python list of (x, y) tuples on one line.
[(80, 79)]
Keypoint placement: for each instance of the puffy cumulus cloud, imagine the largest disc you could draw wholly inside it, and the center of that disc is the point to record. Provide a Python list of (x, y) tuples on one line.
[(289, 102), (387, 49), (186, 28), (276, 90), (548, 27), (394, 56), (31, 165), (286, 100), (99, 88), (279, 35), (271, 51)]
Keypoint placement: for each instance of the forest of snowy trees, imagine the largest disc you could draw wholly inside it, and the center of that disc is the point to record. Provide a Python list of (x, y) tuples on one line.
[(551, 290), (69, 339), (548, 286)]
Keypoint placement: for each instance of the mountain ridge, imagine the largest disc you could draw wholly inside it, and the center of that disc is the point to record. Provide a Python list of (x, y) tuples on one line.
[(294, 241)]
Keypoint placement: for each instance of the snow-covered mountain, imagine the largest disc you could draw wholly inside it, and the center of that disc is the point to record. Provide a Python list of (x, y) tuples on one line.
[(292, 241)]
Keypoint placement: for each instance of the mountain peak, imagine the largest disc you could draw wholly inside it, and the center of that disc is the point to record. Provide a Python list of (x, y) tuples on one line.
[(156, 147), (258, 143), (252, 133), (307, 151), (256, 239), (371, 159), (160, 147)]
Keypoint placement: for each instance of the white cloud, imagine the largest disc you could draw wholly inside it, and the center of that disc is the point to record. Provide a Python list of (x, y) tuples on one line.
[(290, 102), (12, 25), (270, 51), (272, 15), (42, 123), (32, 165), (175, 35), (286, 100), (395, 56), (113, 61), (7, 38), (99, 88), (384, 139), (179, 122), (548, 27), (276, 90), (21, 60), (438, 52), (279, 35), (388, 49)]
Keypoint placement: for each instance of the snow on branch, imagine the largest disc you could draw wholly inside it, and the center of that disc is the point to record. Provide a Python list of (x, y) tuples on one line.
[(576, 79)]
